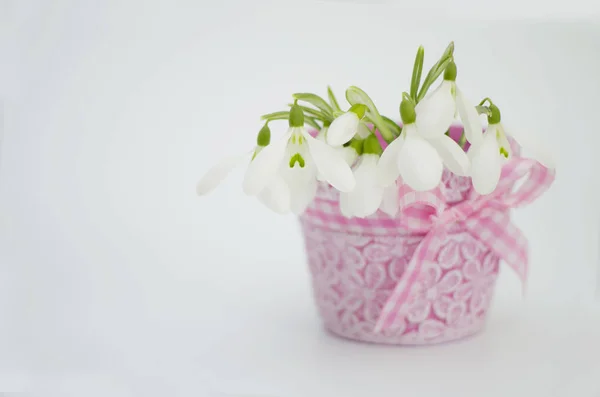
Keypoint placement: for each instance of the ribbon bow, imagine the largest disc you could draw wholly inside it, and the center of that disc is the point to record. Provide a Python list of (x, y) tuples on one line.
[(485, 217)]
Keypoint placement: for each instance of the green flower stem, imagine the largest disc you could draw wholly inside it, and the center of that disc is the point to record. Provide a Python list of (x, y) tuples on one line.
[(332, 99), (484, 100), (407, 97), (312, 122), (416, 74), (385, 132), (483, 110), (316, 114), (314, 100), (396, 130), (432, 76), (462, 140), (436, 70), (283, 115)]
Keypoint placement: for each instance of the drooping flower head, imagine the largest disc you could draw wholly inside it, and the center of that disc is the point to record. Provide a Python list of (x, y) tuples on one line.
[(369, 195), (419, 158), (275, 194), (298, 157), (347, 150), (489, 151)]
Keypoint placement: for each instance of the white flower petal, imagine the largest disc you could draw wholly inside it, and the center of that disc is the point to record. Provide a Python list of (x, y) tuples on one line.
[(322, 135), (342, 129), (436, 111), (390, 201), (265, 165), (453, 156), (420, 164), (387, 168), (348, 154), (276, 196), (301, 181), (345, 205), (330, 164), (502, 141), (363, 131), (217, 173), (366, 197), (302, 196), (534, 149), (469, 117), (486, 164), (370, 202)]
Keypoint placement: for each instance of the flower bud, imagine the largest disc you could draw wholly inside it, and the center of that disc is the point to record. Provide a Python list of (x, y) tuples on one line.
[(359, 109), (371, 145), (407, 112), (450, 72), (494, 117), (296, 116), (264, 136)]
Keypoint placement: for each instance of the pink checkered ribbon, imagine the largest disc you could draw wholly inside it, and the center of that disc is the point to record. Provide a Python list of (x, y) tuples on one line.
[(485, 217)]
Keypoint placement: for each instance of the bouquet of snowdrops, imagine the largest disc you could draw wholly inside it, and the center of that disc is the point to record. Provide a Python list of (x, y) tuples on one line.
[(366, 155)]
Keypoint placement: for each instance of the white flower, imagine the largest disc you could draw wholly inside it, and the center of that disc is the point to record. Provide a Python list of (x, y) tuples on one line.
[(297, 158), (369, 195), (275, 195), (348, 153), (490, 151), (420, 158), (437, 110), (344, 127)]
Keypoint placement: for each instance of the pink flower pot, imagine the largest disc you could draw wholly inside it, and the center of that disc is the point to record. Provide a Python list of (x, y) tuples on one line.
[(356, 263)]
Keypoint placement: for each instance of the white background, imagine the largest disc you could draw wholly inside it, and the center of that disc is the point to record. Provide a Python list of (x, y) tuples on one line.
[(117, 280)]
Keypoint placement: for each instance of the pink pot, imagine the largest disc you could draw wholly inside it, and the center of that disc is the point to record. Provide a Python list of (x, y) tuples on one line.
[(356, 263)]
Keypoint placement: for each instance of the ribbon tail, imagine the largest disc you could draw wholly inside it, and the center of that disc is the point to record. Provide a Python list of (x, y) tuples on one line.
[(504, 239), (392, 310)]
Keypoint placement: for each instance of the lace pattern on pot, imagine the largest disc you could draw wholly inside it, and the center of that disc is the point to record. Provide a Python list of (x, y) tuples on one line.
[(356, 263)]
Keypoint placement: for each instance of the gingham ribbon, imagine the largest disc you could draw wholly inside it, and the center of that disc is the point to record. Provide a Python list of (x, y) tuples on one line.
[(485, 217)]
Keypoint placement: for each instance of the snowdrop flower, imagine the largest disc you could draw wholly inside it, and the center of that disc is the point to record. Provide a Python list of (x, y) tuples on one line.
[(344, 127), (297, 158), (275, 195), (420, 158), (369, 195), (437, 110), (490, 151), (348, 152)]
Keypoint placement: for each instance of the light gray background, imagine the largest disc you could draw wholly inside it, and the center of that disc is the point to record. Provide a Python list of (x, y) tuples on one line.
[(113, 110)]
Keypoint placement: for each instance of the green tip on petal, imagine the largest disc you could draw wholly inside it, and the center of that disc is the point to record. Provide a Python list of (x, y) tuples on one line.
[(494, 117), (407, 112), (297, 158), (450, 72), (356, 144), (264, 136), (371, 145), (296, 116), (359, 109)]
